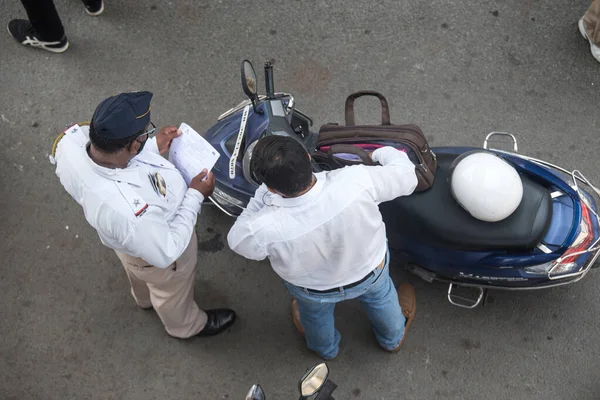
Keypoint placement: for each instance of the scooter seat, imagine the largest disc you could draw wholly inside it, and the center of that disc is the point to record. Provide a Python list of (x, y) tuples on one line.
[(433, 217)]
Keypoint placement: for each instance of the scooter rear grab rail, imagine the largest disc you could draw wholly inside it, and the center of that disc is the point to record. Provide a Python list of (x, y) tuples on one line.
[(492, 134)]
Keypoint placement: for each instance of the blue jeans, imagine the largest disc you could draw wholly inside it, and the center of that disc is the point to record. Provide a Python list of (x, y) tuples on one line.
[(378, 296)]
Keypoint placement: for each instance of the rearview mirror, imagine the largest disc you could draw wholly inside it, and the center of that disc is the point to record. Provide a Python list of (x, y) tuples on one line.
[(313, 380), (256, 393), (249, 79)]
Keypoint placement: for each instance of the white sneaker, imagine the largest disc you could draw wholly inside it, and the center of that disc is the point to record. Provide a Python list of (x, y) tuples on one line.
[(595, 50)]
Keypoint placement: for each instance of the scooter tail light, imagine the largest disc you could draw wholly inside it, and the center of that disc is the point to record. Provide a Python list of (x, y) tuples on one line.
[(580, 245), (583, 239), (568, 261)]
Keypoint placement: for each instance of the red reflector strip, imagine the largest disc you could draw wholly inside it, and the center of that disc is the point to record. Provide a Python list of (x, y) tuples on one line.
[(141, 210)]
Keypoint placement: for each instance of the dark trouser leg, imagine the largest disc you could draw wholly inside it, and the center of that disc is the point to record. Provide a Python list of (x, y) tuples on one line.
[(92, 3), (44, 18)]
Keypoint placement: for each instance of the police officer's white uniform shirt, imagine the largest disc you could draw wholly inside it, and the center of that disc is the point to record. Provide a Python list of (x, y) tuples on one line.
[(334, 234), (145, 210)]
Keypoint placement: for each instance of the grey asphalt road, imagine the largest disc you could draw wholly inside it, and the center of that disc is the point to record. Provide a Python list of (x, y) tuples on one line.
[(460, 69)]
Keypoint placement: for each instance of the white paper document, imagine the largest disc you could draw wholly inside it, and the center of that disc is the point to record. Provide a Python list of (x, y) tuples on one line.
[(191, 153)]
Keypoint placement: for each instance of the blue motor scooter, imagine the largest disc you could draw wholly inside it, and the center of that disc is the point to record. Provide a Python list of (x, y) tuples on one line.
[(552, 239)]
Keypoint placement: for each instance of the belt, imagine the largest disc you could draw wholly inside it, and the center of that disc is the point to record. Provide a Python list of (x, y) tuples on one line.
[(351, 285)]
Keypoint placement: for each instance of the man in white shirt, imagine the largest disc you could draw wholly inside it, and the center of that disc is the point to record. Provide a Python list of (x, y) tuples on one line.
[(325, 236), (141, 207)]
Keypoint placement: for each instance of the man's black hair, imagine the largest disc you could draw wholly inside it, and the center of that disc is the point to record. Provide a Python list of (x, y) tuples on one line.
[(282, 163), (110, 145)]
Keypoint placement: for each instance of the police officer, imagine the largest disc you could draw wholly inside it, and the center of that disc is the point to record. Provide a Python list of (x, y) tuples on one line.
[(141, 207)]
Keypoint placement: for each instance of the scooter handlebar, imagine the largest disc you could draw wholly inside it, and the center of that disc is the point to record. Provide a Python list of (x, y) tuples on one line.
[(269, 83)]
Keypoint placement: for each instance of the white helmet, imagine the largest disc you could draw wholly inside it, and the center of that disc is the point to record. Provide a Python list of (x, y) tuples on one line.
[(485, 185)]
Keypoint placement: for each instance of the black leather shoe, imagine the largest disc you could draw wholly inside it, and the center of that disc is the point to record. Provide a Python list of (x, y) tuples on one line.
[(218, 320)]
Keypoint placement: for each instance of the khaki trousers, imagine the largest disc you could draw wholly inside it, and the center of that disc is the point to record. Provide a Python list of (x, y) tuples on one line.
[(591, 20), (169, 290)]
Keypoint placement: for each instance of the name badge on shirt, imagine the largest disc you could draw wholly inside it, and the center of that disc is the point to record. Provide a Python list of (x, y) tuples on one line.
[(158, 183)]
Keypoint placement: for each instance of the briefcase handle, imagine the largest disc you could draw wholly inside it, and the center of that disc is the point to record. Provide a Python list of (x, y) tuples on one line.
[(348, 148), (385, 109)]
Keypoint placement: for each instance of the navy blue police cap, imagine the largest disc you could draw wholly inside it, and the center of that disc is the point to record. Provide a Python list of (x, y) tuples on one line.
[(123, 115)]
